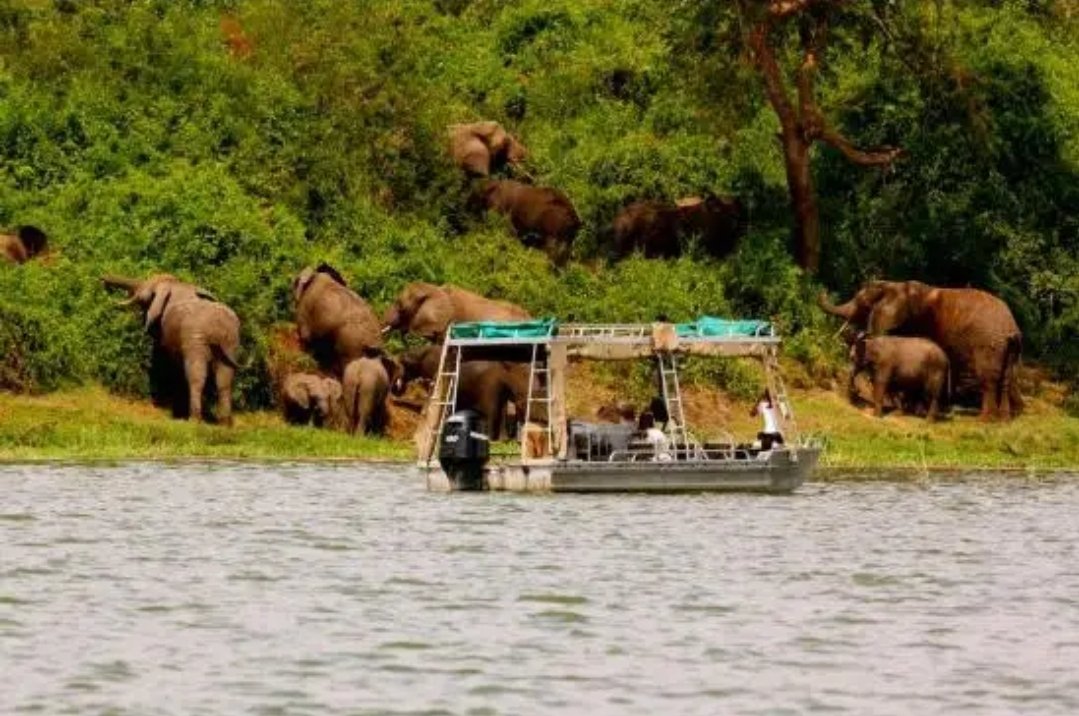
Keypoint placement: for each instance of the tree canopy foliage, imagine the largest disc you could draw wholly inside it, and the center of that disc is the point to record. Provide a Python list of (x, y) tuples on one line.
[(234, 141)]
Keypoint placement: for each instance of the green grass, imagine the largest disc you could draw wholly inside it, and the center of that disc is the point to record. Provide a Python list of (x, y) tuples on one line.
[(91, 424), (1043, 438)]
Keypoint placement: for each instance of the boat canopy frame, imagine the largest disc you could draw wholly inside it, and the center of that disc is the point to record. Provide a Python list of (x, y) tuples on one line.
[(551, 346)]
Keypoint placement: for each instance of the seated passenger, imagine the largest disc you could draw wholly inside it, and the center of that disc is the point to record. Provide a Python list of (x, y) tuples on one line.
[(769, 434), (661, 445)]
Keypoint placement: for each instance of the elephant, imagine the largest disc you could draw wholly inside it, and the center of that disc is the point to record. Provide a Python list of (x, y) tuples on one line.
[(334, 324), (488, 387), (662, 230), (26, 243), (427, 310), (366, 385), (311, 399), (976, 330), (195, 336), (483, 147), (541, 216), (913, 368)]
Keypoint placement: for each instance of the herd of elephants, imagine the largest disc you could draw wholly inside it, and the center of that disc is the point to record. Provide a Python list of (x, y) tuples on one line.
[(916, 343)]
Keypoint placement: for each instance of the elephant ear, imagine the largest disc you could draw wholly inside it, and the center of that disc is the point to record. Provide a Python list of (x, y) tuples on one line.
[(890, 312), (301, 395), (433, 315), (332, 273), (161, 295), (302, 281)]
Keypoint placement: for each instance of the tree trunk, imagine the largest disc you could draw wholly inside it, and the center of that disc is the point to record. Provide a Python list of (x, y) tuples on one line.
[(803, 201), (802, 124)]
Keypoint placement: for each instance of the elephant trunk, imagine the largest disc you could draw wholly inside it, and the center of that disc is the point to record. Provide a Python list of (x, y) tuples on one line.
[(391, 320), (128, 284), (845, 310)]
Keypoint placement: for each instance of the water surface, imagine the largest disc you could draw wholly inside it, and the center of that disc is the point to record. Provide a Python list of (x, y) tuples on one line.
[(231, 589)]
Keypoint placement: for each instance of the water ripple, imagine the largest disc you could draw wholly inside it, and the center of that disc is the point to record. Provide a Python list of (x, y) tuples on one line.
[(345, 589)]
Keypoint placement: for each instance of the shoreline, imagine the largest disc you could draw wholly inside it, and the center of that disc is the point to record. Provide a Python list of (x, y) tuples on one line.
[(824, 473), (88, 426)]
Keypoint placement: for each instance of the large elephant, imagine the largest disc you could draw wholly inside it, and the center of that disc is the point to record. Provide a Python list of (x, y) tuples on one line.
[(308, 398), (914, 368), (26, 243), (661, 229), (541, 216), (976, 330), (483, 147), (488, 387), (335, 325), (195, 334), (366, 386), (427, 310)]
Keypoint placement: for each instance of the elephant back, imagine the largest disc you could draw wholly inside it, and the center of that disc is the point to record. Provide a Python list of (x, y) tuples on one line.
[(469, 306), (969, 316)]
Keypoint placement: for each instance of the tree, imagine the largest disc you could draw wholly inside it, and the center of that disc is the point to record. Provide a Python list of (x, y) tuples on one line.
[(802, 124)]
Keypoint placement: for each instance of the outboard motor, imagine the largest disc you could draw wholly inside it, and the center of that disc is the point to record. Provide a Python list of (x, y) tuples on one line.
[(464, 450)]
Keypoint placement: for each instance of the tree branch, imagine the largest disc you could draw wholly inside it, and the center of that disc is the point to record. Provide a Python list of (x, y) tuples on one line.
[(812, 48), (881, 156), (765, 60)]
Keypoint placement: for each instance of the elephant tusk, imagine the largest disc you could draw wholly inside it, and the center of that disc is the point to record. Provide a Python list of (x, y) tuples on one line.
[(124, 303), (386, 329), (842, 328)]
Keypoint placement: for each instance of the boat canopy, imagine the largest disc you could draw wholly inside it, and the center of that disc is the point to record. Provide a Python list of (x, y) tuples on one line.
[(706, 336), (542, 328), (710, 326)]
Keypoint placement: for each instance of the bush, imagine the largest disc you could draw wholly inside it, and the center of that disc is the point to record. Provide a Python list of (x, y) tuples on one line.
[(232, 143)]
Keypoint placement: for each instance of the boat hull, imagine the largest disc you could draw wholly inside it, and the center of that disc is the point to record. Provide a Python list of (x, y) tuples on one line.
[(779, 471)]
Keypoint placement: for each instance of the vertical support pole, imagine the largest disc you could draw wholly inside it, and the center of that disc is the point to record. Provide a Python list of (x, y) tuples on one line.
[(557, 362)]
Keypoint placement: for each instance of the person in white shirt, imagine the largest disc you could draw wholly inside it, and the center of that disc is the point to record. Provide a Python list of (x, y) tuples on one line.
[(655, 437), (769, 434)]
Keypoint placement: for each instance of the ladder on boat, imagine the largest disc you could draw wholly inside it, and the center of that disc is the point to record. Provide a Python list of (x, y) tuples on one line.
[(672, 399), (538, 427), (779, 389), (443, 398)]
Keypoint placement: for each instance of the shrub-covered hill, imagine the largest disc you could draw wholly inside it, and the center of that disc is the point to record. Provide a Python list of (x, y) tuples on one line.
[(232, 142)]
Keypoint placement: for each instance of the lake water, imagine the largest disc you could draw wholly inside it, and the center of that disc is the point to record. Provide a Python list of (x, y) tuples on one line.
[(232, 589)]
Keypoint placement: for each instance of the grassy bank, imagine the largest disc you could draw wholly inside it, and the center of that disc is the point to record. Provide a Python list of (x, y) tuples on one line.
[(90, 424)]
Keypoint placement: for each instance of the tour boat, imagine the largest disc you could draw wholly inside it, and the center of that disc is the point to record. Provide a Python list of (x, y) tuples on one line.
[(568, 455)]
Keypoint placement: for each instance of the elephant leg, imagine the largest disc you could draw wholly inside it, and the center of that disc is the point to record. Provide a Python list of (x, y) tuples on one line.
[(880, 386), (989, 402), (1015, 398), (933, 389), (195, 371), (223, 375), (489, 407)]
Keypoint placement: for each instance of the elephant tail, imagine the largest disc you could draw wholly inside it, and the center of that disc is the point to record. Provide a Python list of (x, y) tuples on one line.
[(354, 406), (1009, 378), (225, 356)]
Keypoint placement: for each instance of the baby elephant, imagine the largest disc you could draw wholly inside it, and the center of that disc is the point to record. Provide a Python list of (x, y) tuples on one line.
[(911, 367), (366, 386), (311, 399)]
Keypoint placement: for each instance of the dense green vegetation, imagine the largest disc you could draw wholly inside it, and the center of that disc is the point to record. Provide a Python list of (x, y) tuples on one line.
[(233, 141)]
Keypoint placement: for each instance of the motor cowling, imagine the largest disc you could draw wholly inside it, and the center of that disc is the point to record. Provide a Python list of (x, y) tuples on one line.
[(464, 450)]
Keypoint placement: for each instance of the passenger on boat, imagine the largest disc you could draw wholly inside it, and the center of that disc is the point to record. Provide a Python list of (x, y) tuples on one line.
[(661, 445), (769, 434)]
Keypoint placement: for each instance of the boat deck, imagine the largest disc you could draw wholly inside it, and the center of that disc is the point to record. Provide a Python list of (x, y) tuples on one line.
[(777, 471)]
